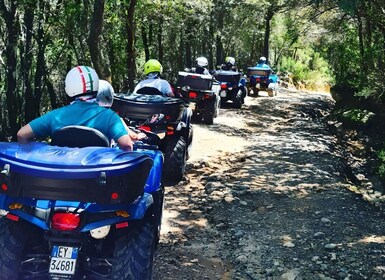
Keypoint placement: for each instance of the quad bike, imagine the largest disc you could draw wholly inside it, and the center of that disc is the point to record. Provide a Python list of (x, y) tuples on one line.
[(167, 117), (233, 87), (261, 78), (202, 92), (77, 212)]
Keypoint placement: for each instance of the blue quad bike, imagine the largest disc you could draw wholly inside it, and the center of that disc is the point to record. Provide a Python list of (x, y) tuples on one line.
[(262, 79), (233, 87), (201, 92), (78, 208), (168, 118), (72, 211)]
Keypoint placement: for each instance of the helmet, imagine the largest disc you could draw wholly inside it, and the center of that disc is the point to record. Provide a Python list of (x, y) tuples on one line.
[(105, 95), (81, 80), (152, 65), (201, 62), (230, 60), (262, 59)]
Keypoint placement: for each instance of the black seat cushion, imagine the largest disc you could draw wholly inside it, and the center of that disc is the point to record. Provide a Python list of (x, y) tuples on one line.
[(80, 137)]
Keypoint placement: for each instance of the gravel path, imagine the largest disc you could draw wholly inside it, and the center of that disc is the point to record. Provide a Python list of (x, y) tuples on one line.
[(267, 195)]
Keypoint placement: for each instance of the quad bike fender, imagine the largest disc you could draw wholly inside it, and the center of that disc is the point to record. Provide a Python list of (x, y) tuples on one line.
[(185, 119)]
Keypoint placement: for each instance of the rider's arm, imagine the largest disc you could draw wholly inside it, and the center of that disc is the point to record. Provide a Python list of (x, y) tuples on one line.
[(25, 134), (167, 89), (125, 143), (133, 135)]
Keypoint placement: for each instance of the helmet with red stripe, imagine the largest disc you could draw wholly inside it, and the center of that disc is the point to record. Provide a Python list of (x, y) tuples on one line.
[(81, 80)]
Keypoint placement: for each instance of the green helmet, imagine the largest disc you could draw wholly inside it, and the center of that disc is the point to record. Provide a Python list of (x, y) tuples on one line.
[(152, 65)]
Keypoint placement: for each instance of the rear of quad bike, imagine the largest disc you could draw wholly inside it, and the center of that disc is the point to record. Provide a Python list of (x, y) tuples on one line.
[(202, 93), (233, 87), (258, 79), (170, 118), (79, 213)]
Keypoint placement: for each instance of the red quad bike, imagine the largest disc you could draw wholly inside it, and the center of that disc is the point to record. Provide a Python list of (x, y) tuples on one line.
[(202, 92), (167, 117)]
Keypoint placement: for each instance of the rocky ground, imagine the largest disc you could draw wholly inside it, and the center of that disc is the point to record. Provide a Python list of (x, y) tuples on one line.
[(274, 191)]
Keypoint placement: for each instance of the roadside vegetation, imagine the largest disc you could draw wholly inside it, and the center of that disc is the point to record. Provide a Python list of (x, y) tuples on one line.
[(316, 43)]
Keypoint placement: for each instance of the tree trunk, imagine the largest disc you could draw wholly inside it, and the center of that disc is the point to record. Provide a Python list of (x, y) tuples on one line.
[(130, 47), (145, 44), (29, 112), (160, 39), (268, 17), (94, 36), (39, 74), (11, 22)]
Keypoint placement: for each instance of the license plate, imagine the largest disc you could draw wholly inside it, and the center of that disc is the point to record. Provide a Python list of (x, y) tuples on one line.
[(258, 85), (223, 93), (63, 260)]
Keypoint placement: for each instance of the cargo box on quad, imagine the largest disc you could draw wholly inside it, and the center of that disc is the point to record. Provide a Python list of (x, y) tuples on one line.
[(161, 115), (90, 174), (202, 91)]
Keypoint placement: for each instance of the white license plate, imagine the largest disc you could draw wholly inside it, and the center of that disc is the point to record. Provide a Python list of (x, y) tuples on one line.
[(258, 85), (63, 260), (223, 93)]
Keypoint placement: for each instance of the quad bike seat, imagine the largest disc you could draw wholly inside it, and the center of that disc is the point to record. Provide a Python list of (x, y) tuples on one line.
[(80, 137), (149, 91)]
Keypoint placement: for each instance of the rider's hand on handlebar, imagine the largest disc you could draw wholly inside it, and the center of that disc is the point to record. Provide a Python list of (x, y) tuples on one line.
[(139, 136)]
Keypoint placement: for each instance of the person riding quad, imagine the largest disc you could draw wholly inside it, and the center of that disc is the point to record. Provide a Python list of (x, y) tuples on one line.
[(229, 64), (81, 85), (201, 64), (105, 98), (153, 84), (262, 63)]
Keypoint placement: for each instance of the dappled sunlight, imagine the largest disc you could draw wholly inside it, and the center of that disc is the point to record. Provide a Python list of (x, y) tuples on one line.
[(373, 239)]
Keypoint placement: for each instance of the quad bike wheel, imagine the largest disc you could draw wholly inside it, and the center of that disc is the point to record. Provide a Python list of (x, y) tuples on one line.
[(189, 141), (238, 99), (174, 159), (12, 241), (209, 111), (255, 91), (134, 252)]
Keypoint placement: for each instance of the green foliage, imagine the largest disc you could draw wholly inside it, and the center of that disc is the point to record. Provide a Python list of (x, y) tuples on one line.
[(357, 117), (381, 164)]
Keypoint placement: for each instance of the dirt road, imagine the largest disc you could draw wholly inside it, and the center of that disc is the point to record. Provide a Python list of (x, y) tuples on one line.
[(266, 196)]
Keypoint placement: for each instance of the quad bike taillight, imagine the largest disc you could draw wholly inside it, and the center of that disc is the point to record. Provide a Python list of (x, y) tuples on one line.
[(65, 221), (223, 86), (192, 94), (145, 128)]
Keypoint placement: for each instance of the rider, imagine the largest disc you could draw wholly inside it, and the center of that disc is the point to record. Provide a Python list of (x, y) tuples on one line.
[(201, 64), (105, 95), (262, 63), (81, 85), (229, 64), (153, 84), (105, 98)]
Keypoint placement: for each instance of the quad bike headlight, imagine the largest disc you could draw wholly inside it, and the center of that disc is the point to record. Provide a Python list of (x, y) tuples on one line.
[(101, 232)]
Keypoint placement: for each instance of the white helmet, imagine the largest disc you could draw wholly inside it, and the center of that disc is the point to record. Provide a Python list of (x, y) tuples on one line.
[(105, 96), (230, 60), (81, 80), (201, 62), (262, 59)]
